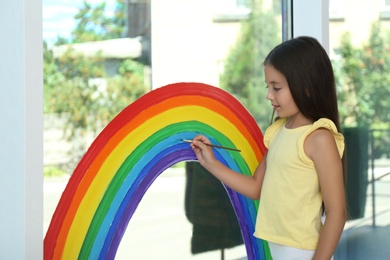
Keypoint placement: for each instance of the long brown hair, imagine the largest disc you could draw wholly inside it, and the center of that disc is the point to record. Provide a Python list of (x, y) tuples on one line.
[(309, 74)]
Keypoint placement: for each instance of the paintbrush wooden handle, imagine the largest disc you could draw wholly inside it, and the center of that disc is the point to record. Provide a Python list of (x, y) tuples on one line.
[(216, 146)]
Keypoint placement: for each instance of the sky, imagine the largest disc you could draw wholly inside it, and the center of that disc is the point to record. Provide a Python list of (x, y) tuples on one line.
[(57, 16)]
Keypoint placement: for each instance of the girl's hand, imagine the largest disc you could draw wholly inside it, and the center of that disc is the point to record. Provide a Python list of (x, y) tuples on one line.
[(249, 186), (203, 152)]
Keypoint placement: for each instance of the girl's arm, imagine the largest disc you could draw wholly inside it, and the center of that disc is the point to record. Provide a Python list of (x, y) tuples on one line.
[(249, 186), (321, 147)]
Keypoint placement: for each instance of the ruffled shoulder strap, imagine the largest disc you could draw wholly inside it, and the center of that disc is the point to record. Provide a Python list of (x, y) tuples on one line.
[(272, 130), (321, 123)]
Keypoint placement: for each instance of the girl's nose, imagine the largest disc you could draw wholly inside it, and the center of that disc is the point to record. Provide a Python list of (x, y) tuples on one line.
[(269, 95)]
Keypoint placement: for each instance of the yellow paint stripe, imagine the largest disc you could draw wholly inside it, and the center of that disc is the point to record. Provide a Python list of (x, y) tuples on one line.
[(113, 162)]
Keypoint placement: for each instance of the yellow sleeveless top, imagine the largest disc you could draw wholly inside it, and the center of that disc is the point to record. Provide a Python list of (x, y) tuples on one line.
[(290, 202)]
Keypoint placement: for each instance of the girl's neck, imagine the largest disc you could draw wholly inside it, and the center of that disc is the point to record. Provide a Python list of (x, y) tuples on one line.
[(297, 120)]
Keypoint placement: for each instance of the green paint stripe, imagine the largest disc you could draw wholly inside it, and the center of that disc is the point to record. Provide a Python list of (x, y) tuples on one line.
[(134, 157)]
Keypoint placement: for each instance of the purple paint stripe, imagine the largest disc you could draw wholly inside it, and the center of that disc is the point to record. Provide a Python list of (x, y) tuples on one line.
[(158, 168), (161, 162), (128, 200)]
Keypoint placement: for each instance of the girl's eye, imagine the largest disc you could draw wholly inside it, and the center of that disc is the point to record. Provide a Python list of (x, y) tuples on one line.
[(273, 88)]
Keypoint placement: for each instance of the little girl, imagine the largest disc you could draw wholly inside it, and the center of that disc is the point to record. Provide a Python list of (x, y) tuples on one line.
[(300, 178)]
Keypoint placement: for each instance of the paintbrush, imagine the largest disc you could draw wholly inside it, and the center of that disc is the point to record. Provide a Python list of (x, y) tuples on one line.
[(216, 146)]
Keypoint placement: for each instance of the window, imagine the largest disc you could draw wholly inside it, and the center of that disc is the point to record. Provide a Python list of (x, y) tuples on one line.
[(188, 46)]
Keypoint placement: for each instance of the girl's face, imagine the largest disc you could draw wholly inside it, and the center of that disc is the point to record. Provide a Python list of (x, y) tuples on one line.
[(279, 93)]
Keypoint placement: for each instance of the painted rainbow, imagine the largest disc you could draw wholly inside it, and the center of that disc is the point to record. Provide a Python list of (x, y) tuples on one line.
[(133, 150)]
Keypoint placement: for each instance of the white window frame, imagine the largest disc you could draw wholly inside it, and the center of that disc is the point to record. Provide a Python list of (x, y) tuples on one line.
[(314, 23)]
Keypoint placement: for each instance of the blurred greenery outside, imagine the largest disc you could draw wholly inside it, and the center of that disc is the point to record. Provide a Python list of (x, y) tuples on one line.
[(362, 77)]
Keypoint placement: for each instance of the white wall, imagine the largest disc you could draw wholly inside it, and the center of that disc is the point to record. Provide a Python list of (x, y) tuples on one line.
[(21, 130)]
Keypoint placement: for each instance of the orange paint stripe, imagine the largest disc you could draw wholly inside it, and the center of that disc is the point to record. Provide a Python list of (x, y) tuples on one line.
[(177, 101)]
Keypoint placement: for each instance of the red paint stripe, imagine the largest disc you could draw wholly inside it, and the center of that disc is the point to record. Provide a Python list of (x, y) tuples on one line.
[(103, 145)]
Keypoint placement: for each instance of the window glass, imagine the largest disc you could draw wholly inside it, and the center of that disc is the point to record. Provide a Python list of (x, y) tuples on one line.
[(221, 43)]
